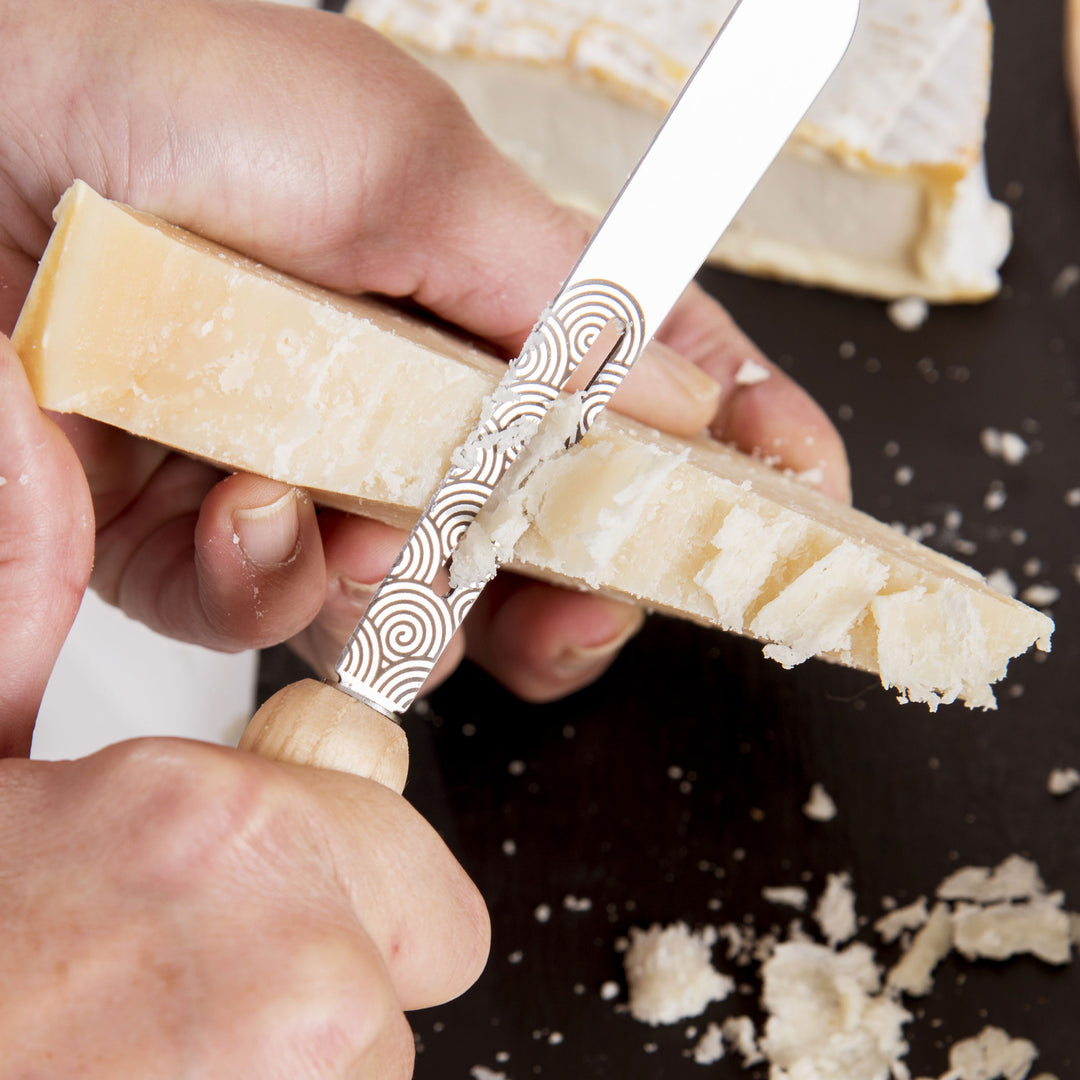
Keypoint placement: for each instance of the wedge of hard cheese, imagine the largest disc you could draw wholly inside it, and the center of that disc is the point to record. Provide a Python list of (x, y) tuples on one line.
[(881, 191), (142, 325)]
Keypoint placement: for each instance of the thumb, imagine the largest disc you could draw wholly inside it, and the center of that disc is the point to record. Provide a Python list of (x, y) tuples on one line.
[(46, 550)]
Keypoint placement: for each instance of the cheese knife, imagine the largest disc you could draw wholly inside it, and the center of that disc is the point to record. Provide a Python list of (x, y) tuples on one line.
[(761, 73)]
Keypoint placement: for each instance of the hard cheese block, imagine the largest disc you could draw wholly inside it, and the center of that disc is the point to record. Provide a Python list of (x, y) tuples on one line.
[(881, 191), (142, 325)]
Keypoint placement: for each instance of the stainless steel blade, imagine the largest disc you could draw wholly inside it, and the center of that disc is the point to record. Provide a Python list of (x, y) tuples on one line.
[(735, 113)]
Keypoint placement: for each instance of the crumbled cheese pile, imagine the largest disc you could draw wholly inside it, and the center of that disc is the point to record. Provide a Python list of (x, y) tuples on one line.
[(832, 1009)]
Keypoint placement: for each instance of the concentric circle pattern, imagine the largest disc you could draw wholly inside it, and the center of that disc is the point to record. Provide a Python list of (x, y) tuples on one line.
[(407, 625)]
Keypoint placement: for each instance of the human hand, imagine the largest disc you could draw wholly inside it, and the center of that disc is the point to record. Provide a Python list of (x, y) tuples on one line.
[(308, 142), (173, 909), (46, 550)]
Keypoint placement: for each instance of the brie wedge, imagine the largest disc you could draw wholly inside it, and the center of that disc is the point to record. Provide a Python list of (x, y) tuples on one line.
[(881, 191)]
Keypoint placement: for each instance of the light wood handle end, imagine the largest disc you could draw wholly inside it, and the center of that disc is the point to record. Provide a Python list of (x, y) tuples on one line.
[(311, 723)]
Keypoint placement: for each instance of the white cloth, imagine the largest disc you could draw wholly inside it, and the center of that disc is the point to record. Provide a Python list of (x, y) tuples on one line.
[(115, 680)]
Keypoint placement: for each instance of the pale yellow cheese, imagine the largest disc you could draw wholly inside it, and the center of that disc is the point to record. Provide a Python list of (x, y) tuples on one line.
[(142, 325)]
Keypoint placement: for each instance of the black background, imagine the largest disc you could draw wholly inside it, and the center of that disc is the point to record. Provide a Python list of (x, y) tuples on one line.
[(595, 812)]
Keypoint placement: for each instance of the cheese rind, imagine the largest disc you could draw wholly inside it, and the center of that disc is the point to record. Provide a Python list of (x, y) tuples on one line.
[(139, 324), (881, 190)]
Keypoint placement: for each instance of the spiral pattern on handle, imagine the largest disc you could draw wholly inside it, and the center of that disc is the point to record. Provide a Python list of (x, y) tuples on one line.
[(407, 624)]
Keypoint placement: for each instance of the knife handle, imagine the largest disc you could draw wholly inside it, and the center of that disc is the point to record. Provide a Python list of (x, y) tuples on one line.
[(311, 723)]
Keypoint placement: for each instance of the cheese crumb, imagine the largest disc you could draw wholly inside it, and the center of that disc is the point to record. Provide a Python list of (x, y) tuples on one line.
[(995, 497), (1006, 445), (710, 1047), (1013, 448), (740, 1033), (1014, 878), (819, 806), (911, 917), (1062, 781), (999, 931), (751, 372), (835, 911), (788, 895), (913, 973), (1068, 278), (670, 973), (908, 313), (991, 1055), (1041, 595), (999, 579)]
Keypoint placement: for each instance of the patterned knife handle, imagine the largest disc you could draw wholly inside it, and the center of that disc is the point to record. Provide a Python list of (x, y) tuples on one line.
[(409, 622)]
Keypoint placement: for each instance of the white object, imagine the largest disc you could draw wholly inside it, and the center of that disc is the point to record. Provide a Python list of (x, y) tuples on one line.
[(670, 973), (116, 680)]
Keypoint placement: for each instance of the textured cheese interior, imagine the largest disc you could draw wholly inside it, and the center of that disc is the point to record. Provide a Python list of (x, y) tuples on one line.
[(141, 325), (881, 191)]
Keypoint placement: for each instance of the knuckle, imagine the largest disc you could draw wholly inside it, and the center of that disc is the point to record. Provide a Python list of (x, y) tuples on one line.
[(192, 811), (353, 1024)]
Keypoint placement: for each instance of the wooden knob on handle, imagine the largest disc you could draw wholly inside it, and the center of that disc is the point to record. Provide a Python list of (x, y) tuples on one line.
[(310, 723)]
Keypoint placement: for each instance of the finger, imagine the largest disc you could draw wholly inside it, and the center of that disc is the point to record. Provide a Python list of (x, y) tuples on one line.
[(225, 563), (418, 905), (543, 642), (359, 553), (321, 906), (117, 465), (662, 389), (773, 415), (326, 1007), (46, 550)]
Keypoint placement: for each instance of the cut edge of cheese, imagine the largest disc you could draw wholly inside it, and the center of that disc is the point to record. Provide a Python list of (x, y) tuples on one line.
[(142, 325)]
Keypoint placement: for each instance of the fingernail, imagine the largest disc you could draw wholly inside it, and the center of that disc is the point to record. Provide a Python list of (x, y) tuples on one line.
[(684, 376), (578, 660), (269, 536)]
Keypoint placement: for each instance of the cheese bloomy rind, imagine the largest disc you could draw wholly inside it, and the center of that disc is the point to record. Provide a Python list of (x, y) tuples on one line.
[(881, 191)]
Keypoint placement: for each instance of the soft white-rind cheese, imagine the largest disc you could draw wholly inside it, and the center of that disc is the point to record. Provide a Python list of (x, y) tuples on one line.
[(882, 189)]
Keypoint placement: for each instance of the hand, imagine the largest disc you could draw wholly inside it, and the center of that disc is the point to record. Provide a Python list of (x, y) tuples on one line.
[(307, 141), (173, 909), (46, 549)]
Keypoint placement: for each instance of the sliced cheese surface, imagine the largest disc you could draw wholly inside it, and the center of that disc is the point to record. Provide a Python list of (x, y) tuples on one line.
[(881, 191), (144, 326)]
